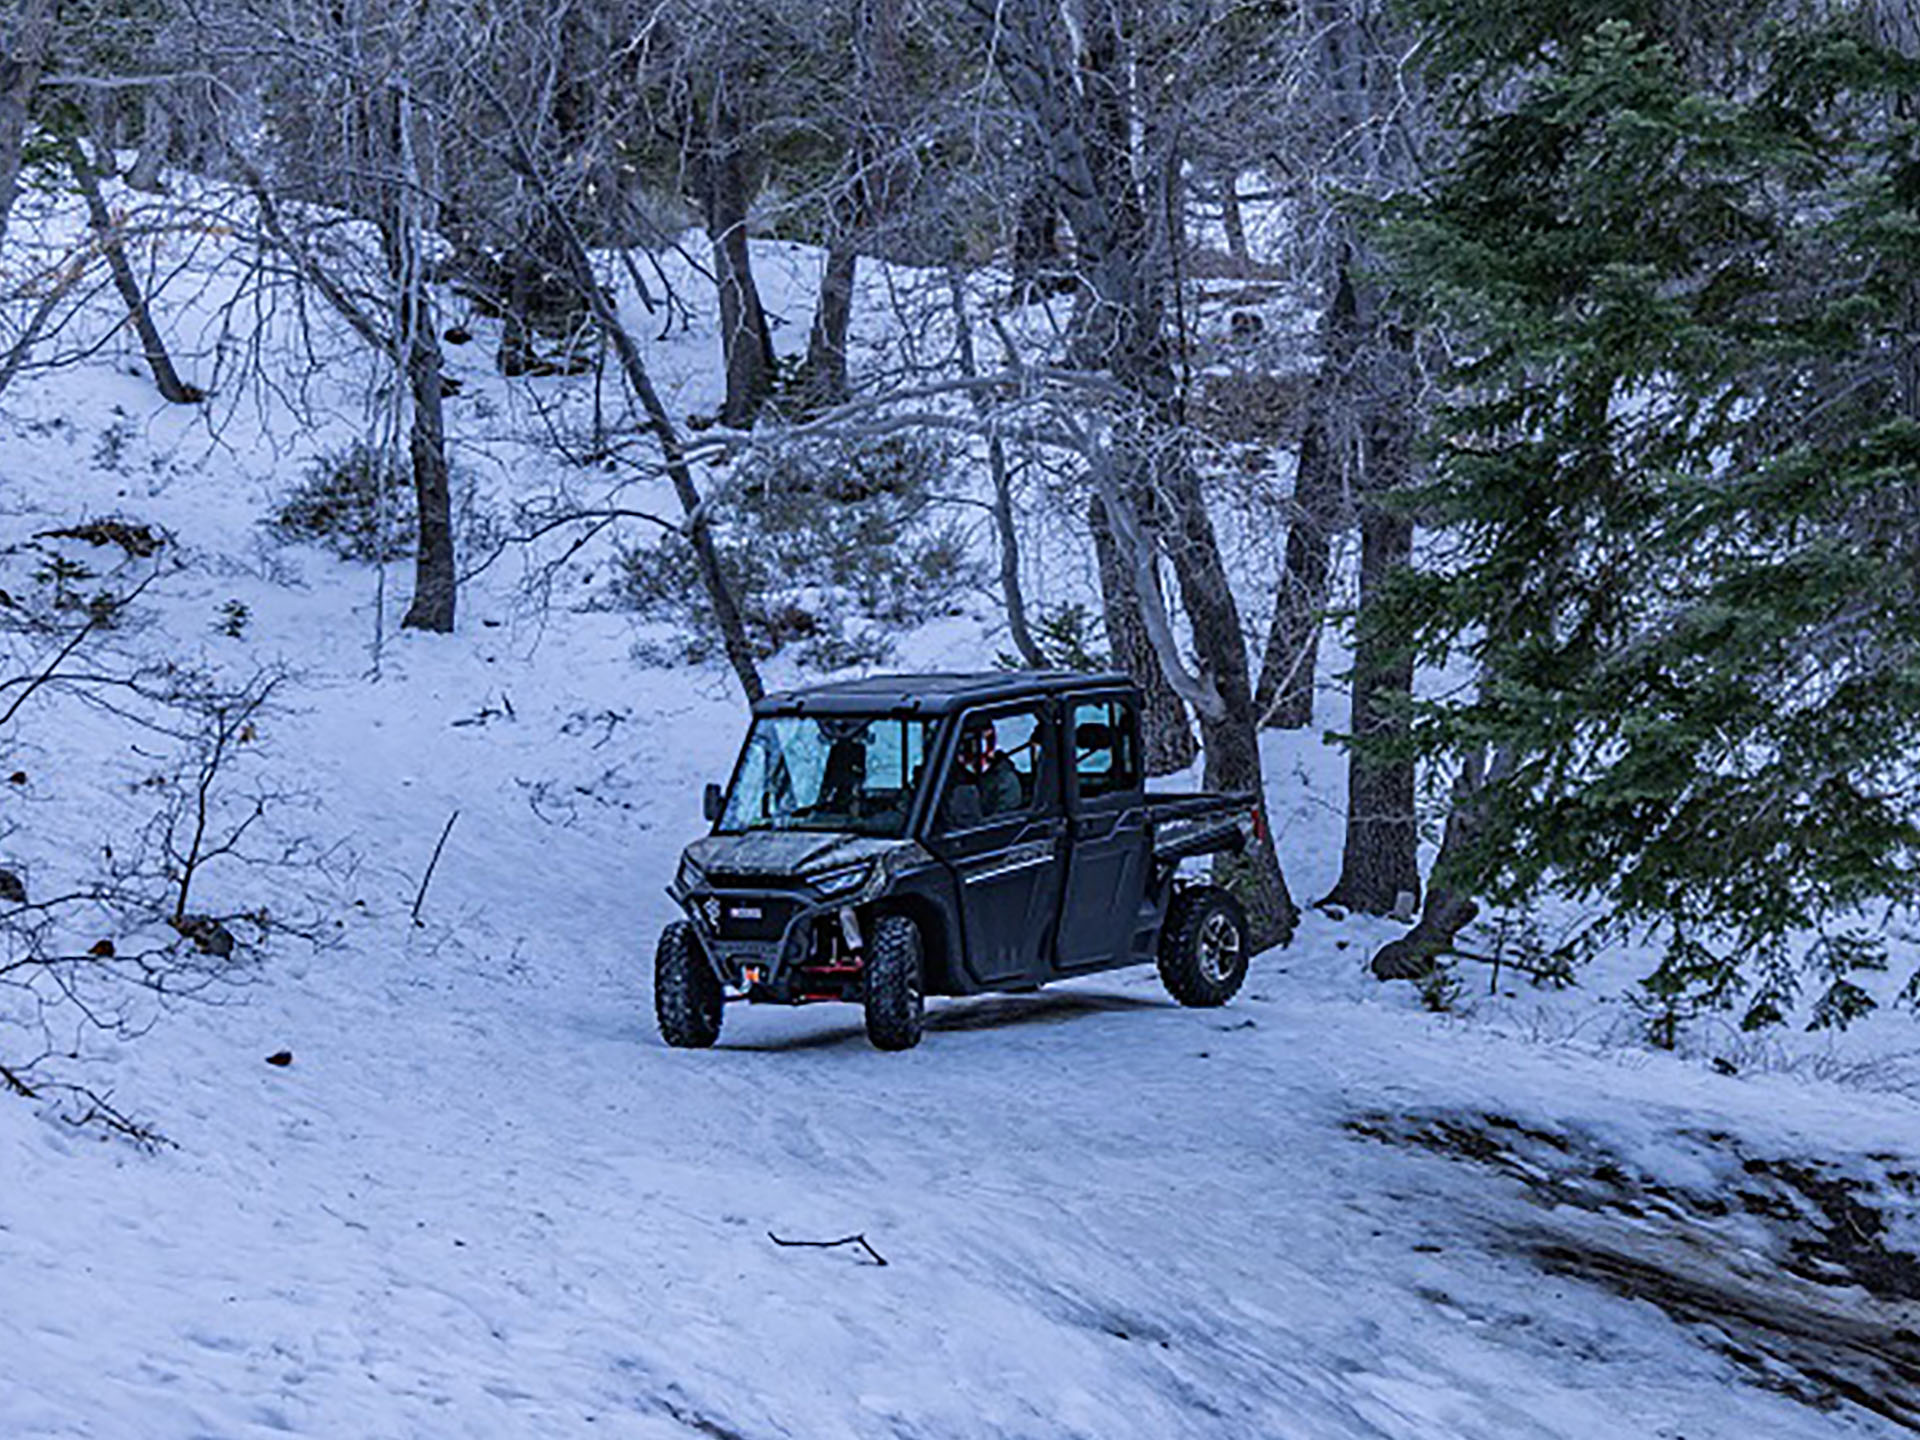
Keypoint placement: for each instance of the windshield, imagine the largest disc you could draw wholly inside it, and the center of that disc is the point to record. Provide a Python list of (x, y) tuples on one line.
[(852, 773)]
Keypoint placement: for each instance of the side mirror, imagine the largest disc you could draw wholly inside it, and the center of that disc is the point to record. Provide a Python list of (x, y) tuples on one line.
[(713, 802)]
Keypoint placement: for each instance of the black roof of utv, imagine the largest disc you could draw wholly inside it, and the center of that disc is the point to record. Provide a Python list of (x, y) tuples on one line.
[(939, 694)]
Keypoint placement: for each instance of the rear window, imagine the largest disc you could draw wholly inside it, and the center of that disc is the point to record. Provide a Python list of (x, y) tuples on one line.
[(1106, 748)]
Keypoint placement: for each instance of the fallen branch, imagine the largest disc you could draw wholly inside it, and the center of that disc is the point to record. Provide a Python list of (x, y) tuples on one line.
[(427, 879), (860, 1240), (14, 1083), (99, 1111)]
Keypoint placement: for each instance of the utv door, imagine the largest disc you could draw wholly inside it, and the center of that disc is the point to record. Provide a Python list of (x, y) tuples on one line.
[(998, 825), (1108, 841)]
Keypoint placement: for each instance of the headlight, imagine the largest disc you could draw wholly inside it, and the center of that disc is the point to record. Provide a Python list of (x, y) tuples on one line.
[(845, 881), (691, 876)]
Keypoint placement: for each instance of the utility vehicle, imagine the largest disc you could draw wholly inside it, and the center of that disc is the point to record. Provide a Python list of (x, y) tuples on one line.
[(901, 836)]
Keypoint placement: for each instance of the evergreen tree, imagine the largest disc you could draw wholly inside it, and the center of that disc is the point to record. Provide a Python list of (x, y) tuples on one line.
[(1682, 467)]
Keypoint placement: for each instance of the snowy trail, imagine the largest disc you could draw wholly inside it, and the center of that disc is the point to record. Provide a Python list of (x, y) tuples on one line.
[(484, 1200)]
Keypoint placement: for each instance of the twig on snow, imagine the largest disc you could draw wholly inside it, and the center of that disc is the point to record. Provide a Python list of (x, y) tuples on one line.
[(860, 1240), (427, 879)]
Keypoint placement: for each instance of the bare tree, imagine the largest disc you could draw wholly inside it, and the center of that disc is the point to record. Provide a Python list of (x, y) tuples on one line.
[(1321, 507), (1167, 733), (723, 166), (367, 147), (416, 337), (1005, 526), (1074, 92), (878, 164), (1285, 694), (1379, 865), (1368, 406), (156, 141), (26, 36), (108, 238), (659, 424)]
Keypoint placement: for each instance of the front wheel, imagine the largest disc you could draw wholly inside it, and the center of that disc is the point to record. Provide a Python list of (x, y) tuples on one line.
[(895, 990), (687, 999), (1203, 946)]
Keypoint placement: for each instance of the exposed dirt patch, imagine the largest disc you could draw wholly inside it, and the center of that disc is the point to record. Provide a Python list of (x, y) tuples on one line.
[(1789, 1266)]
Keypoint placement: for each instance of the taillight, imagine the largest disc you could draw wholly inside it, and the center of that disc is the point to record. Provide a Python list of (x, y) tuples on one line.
[(1259, 819)]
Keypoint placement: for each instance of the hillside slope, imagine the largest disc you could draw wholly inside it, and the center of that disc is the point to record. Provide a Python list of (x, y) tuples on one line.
[(484, 1200)]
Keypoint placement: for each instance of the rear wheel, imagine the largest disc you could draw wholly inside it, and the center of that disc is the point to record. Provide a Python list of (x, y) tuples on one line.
[(895, 988), (687, 998), (1203, 946)]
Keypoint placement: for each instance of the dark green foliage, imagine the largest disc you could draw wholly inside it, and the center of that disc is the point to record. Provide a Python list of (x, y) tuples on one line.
[(1068, 639), (1682, 465), (235, 616), (827, 547), (357, 502)]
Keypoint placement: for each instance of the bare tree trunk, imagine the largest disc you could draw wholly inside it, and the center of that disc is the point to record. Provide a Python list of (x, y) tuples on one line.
[(1380, 861), (1450, 906), (1381, 858), (1011, 590), (107, 235), (417, 337), (1036, 244), (57, 287), (1166, 733), (1231, 219), (434, 578), (156, 143), (1286, 692), (874, 192), (1231, 738), (746, 343), (23, 51), (1320, 505), (823, 380), (1079, 113), (1003, 518)]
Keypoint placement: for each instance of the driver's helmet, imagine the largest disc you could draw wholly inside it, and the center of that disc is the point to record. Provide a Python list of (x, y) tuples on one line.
[(977, 747)]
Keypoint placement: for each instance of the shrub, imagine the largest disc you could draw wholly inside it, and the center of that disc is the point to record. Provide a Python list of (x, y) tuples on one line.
[(1067, 639), (359, 503), (830, 548), (356, 502)]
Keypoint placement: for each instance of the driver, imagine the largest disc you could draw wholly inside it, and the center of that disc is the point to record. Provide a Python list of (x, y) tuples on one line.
[(986, 768)]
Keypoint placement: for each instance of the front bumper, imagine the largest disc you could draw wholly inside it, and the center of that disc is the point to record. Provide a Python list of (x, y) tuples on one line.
[(787, 937), (763, 930)]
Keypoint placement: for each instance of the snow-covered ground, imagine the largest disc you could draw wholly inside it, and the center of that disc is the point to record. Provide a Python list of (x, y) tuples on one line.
[(484, 1200)]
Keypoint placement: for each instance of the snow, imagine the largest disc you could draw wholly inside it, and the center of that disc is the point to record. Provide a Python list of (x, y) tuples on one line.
[(484, 1200)]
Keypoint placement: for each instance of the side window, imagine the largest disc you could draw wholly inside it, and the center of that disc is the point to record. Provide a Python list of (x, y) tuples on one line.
[(996, 769), (1106, 748)]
